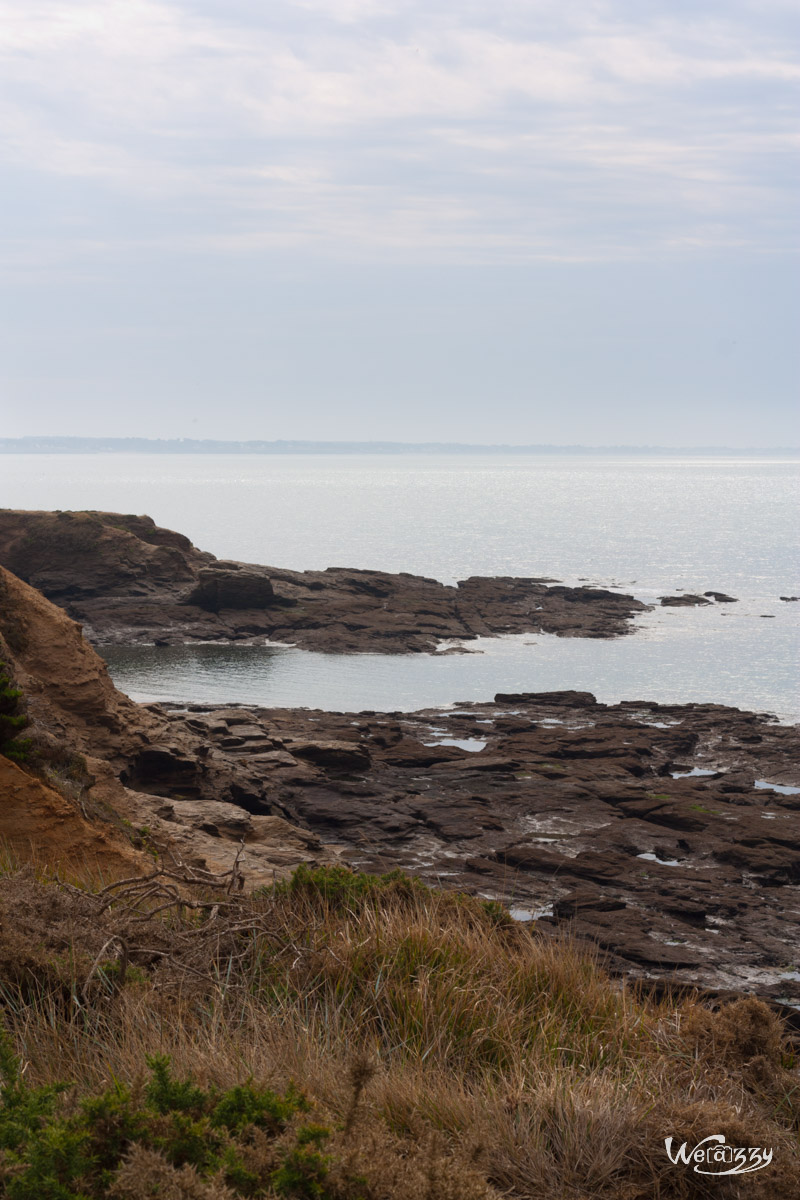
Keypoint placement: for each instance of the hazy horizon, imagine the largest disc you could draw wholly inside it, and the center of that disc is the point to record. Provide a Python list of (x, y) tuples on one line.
[(46, 444), (56, 444), (384, 221)]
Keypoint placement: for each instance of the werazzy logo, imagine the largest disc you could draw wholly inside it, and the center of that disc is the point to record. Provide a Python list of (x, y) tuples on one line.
[(713, 1156)]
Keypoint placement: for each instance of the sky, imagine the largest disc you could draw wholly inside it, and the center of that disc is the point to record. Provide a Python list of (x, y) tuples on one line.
[(497, 221)]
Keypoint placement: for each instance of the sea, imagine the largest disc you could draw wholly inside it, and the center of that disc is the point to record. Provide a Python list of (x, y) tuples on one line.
[(649, 525)]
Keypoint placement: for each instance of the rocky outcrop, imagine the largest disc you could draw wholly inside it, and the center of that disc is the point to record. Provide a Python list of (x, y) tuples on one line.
[(687, 600), (67, 687), (229, 586), (99, 769), (128, 581), (75, 555)]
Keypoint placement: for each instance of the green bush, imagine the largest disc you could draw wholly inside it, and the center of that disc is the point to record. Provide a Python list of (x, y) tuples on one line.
[(12, 719), (52, 1151), (305, 1168), (341, 890)]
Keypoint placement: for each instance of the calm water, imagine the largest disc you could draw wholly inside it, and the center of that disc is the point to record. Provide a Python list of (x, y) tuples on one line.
[(648, 525)]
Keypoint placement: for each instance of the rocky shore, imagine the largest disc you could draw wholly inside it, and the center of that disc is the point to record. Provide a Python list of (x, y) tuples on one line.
[(128, 581), (666, 835)]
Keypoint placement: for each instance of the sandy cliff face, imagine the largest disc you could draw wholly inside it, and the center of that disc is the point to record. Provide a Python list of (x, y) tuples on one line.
[(66, 684), (40, 824), (90, 740)]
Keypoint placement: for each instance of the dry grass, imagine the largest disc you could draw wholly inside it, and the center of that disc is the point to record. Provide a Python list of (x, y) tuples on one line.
[(455, 1054)]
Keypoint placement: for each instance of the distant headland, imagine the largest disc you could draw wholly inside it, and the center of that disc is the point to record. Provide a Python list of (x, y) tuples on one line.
[(140, 445)]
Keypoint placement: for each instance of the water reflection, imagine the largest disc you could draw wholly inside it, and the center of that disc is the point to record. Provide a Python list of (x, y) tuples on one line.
[(697, 655)]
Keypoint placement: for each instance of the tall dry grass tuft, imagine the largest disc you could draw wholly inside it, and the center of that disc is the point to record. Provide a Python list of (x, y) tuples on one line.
[(450, 1053)]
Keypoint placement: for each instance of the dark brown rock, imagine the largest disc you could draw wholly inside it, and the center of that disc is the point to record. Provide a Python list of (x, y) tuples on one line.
[(349, 756), (72, 556), (774, 863), (222, 587), (683, 601), (129, 581), (565, 699), (586, 899), (410, 753), (163, 770)]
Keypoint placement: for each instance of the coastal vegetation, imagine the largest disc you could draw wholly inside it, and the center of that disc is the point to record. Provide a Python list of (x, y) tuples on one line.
[(13, 719), (351, 1037), (199, 1001)]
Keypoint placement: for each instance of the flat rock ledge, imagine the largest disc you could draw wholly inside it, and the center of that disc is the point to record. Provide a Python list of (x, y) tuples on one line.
[(666, 835), (127, 581)]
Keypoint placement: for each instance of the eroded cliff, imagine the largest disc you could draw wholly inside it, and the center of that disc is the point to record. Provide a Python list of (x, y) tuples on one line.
[(66, 800)]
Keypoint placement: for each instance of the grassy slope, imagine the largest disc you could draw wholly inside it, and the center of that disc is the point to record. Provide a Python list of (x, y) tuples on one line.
[(445, 1052)]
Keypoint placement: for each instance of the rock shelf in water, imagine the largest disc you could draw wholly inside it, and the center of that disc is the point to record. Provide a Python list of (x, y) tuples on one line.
[(129, 581)]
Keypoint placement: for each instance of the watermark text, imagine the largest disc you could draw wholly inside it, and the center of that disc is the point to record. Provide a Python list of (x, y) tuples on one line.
[(713, 1156)]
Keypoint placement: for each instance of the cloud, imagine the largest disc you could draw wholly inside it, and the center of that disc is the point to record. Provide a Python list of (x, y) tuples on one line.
[(475, 128)]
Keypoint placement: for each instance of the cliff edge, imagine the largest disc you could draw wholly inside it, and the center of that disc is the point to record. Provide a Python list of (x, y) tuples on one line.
[(67, 799)]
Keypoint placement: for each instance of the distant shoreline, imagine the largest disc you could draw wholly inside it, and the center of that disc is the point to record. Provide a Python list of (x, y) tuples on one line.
[(99, 445)]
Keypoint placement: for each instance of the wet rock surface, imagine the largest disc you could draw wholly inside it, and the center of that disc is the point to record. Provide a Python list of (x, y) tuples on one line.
[(667, 835), (128, 581)]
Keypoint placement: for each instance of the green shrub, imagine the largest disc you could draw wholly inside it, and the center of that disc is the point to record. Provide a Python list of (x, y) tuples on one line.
[(49, 1151), (243, 1106), (304, 1170), (12, 719), (340, 889), (167, 1094)]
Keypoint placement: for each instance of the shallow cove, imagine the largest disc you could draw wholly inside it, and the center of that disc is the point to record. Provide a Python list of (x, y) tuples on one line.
[(648, 525), (719, 654)]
